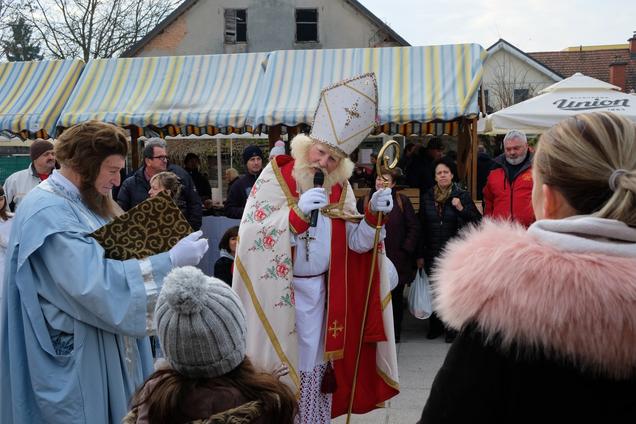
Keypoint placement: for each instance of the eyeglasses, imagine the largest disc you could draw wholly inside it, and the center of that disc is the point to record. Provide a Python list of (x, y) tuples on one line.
[(162, 157)]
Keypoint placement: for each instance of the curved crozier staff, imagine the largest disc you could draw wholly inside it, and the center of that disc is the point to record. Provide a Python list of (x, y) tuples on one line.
[(382, 165)]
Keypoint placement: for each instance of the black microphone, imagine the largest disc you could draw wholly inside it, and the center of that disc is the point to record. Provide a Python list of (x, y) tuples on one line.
[(319, 179)]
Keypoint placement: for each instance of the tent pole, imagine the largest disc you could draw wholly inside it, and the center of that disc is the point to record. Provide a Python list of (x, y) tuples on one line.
[(219, 175), (274, 134), (474, 144), (134, 146)]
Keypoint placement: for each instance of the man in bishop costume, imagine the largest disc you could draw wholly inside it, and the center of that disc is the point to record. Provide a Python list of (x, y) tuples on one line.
[(303, 287)]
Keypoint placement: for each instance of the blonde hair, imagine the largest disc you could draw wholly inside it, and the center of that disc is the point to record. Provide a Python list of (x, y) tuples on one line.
[(231, 174), (170, 182), (578, 156)]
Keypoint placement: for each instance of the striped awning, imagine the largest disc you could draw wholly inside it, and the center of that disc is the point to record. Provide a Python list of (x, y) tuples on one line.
[(170, 95), (415, 84), (32, 95)]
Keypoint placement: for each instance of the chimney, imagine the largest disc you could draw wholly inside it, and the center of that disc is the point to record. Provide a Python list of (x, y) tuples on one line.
[(632, 46), (617, 72)]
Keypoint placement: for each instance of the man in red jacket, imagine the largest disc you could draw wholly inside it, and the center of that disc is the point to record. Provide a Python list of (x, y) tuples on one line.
[(508, 191)]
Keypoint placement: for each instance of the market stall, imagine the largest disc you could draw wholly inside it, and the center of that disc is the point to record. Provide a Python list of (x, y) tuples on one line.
[(421, 90)]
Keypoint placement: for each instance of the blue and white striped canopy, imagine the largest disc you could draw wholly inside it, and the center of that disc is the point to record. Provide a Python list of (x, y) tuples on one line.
[(415, 84), (32, 95), (182, 91)]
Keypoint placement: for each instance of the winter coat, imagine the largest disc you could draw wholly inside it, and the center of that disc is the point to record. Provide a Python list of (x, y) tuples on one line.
[(548, 325), (223, 269), (508, 199), (18, 184), (402, 231), (212, 406), (484, 165), (201, 183), (237, 195), (436, 231), (134, 190)]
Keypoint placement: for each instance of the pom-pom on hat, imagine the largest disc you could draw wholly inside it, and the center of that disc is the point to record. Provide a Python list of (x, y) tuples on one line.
[(200, 323), (278, 149)]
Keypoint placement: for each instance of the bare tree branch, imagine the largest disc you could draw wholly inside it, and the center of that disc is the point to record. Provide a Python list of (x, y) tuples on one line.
[(507, 77), (89, 29)]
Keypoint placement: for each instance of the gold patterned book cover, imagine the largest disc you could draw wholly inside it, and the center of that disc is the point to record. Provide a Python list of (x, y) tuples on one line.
[(153, 226)]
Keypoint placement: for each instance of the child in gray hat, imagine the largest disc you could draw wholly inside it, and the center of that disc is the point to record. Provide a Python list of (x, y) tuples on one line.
[(201, 326)]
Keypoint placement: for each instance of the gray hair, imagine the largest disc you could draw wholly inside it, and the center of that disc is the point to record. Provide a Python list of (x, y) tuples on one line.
[(151, 143), (515, 134)]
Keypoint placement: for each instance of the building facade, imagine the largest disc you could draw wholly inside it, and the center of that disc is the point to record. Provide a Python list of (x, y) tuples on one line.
[(245, 26)]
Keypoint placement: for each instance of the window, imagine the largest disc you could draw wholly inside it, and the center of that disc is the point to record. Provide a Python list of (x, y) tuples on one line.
[(306, 25), (521, 94), (235, 25)]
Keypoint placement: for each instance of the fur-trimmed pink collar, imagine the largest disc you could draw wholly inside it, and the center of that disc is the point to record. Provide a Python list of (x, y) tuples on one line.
[(578, 305)]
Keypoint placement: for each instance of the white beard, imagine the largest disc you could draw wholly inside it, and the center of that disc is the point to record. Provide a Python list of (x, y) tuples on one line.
[(303, 171), (304, 174), (516, 161)]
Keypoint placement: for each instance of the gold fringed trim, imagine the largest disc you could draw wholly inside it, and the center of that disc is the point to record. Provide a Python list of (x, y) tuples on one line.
[(388, 380), (291, 200), (386, 301)]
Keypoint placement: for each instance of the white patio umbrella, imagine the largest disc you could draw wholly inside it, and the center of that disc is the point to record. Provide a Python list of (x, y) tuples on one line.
[(571, 96)]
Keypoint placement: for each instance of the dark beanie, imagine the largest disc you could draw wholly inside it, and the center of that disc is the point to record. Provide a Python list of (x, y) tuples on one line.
[(38, 147), (250, 152)]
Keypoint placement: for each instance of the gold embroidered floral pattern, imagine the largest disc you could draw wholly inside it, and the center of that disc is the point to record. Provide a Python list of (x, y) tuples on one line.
[(153, 226)]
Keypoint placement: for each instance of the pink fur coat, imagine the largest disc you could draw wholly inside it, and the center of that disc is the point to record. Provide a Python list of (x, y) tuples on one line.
[(567, 287)]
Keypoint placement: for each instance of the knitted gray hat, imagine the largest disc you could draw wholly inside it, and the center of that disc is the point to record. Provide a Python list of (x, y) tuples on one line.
[(200, 323)]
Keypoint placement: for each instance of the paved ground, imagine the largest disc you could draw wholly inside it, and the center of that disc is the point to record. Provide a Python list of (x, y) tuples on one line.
[(418, 362)]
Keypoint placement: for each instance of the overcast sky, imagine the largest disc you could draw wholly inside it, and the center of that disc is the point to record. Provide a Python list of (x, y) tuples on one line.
[(531, 25)]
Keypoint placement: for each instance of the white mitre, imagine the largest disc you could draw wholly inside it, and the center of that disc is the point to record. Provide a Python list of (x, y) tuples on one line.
[(346, 113)]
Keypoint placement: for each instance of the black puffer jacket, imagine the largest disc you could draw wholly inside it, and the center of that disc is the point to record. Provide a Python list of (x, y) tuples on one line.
[(437, 230)]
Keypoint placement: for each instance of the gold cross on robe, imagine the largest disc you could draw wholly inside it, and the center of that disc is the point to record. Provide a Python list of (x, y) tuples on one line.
[(335, 329)]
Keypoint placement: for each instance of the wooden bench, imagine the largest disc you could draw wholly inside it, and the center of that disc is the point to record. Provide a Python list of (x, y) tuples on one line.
[(412, 193)]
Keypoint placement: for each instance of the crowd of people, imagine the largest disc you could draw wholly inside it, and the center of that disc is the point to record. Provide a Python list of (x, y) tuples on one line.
[(537, 295)]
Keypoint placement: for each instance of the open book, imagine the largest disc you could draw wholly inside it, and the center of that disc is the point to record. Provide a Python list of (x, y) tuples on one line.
[(153, 226)]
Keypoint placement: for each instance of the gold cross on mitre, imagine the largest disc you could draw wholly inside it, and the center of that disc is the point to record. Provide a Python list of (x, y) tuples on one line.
[(352, 112), (346, 113), (335, 329)]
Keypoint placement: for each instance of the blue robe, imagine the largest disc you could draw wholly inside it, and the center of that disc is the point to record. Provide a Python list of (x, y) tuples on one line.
[(73, 338)]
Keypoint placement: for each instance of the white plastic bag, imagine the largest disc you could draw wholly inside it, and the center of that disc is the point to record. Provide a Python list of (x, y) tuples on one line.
[(420, 304)]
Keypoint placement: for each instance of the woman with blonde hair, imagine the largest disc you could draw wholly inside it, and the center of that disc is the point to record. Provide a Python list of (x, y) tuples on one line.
[(547, 316), (167, 181)]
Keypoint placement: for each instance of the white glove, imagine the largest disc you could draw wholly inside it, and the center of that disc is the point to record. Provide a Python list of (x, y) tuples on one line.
[(189, 250), (382, 201), (312, 199)]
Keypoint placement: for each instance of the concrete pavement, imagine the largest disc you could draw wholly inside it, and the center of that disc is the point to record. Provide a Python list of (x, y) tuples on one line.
[(418, 362)]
